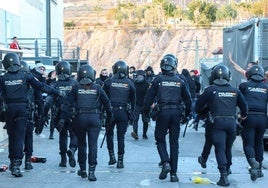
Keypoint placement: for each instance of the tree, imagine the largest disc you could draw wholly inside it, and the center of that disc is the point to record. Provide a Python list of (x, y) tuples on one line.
[(170, 9), (201, 13), (227, 12)]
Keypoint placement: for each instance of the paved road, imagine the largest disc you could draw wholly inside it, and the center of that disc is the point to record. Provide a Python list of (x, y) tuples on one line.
[(141, 166)]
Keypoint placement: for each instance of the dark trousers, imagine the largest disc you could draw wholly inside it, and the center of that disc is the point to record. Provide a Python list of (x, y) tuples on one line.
[(168, 120), (63, 141), (28, 143), (208, 141), (254, 127), (87, 130), (16, 119), (137, 112), (223, 134), (121, 123)]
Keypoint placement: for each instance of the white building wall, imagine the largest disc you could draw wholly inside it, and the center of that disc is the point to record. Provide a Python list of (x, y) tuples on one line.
[(27, 19)]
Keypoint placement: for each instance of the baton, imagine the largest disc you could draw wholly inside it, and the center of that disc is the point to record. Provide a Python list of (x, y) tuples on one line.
[(185, 129), (103, 139)]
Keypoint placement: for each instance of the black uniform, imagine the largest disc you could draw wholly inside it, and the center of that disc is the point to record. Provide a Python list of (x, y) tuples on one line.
[(170, 91), (88, 102), (48, 107), (15, 86), (256, 95), (222, 100), (141, 86), (87, 98), (64, 131), (193, 85), (121, 92), (39, 102)]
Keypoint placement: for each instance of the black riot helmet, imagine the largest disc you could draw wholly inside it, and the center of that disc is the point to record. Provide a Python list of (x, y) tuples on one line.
[(25, 66), (172, 56), (256, 72), (220, 75), (11, 62), (168, 64), (86, 74), (121, 68), (63, 70)]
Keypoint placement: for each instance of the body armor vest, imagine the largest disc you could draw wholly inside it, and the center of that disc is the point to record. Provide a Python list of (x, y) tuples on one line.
[(169, 90), (224, 103), (16, 88)]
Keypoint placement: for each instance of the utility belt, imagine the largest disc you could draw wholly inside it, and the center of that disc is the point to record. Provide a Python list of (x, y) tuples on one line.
[(256, 113), (119, 107), (169, 106), (214, 117), (88, 110), (18, 103)]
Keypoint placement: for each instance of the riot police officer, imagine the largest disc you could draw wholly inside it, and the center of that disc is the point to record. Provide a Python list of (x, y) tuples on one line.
[(222, 99), (15, 85), (169, 91), (64, 126), (88, 97), (28, 143), (256, 95), (121, 91)]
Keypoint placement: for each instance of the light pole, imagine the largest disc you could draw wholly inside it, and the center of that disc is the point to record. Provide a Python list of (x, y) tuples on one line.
[(195, 48)]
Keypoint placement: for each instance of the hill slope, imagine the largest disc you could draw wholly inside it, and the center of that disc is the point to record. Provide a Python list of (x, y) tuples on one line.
[(143, 47)]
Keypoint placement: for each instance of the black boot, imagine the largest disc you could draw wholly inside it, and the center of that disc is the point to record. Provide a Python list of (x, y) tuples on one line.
[(16, 168), (260, 174), (223, 181), (28, 164), (165, 170), (51, 135), (120, 163), (135, 135), (202, 161), (70, 154), (145, 128), (63, 160), (174, 177), (254, 168), (82, 171), (112, 160), (91, 173)]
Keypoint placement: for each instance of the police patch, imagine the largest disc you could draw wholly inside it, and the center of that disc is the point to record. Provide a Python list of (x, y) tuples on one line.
[(88, 91), (256, 89), (171, 84), (120, 85), (227, 94)]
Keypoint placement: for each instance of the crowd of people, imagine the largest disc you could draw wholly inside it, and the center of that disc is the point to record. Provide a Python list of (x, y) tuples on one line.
[(78, 107)]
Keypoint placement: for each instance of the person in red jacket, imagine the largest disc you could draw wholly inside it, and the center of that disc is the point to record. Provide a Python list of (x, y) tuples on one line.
[(15, 44)]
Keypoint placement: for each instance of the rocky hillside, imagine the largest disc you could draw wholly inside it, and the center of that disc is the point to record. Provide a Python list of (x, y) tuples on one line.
[(143, 47), (139, 47)]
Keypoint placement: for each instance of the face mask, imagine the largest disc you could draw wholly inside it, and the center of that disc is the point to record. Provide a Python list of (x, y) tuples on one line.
[(139, 79)]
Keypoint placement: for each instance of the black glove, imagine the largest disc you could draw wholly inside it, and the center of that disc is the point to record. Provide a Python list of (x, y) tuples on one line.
[(195, 127), (131, 115), (109, 119), (39, 125), (60, 125)]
